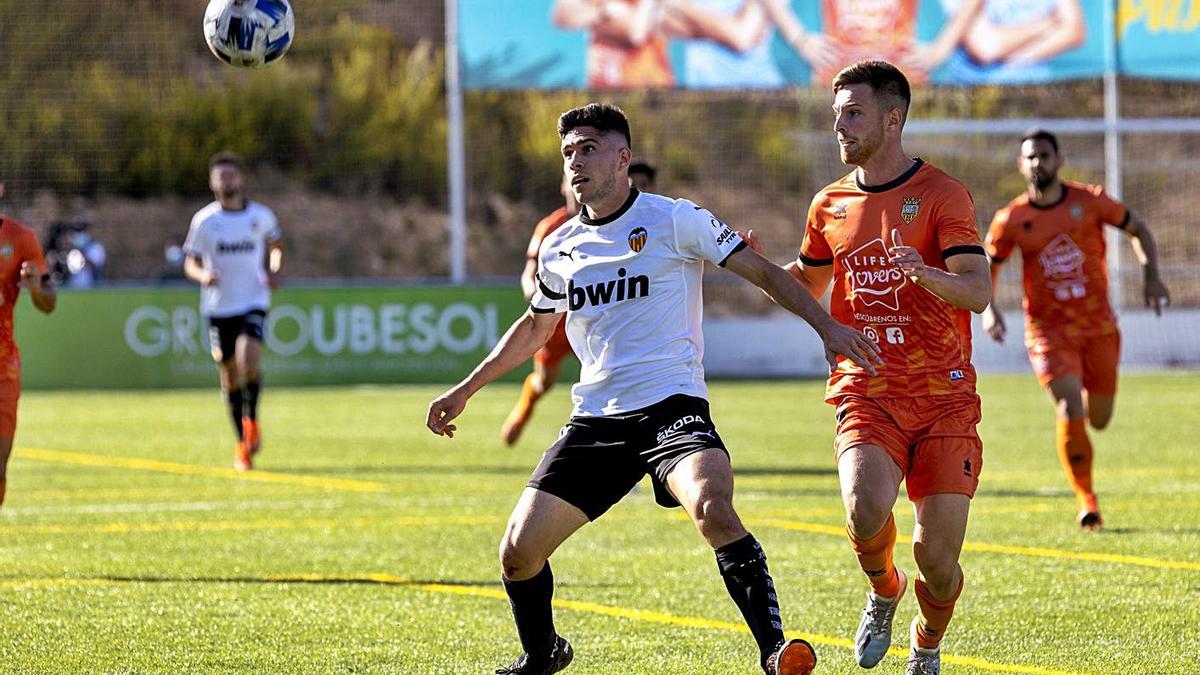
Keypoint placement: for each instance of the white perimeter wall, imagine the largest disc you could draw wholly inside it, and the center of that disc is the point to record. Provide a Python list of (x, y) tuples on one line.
[(786, 346)]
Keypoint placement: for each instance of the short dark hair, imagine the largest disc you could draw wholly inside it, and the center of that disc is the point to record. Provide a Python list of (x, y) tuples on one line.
[(643, 167), (889, 84), (601, 116), (1039, 134), (226, 157)]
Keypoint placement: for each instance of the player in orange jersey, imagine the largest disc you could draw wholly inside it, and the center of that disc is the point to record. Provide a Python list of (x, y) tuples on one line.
[(548, 359), (1070, 329), (22, 265), (897, 238), (626, 47)]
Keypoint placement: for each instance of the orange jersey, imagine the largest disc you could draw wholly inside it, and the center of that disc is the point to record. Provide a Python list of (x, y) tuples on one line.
[(612, 64), (18, 244), (1063, 259), (925, 341), (867, 29), (544, 227)]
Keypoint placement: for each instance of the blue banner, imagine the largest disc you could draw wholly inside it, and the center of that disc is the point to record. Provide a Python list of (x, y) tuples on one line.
[(767, 44), (1160, 38)]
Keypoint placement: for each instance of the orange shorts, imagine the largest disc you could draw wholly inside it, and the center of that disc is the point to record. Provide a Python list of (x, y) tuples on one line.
[(1093, 359), (931, 438), (10, 391), (556, 348)]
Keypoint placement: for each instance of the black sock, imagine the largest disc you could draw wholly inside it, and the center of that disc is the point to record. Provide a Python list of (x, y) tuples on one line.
[(743, 567), (250, 396), (530, 602), (234, 400)]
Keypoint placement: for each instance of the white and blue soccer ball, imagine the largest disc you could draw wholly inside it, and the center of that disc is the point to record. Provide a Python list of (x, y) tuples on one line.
[(249, 33)]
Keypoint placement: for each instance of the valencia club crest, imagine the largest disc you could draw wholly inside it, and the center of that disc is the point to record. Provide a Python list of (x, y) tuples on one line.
[(637, 239)]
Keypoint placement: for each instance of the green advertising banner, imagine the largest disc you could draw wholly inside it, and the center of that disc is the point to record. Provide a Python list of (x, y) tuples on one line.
[(155, 337)]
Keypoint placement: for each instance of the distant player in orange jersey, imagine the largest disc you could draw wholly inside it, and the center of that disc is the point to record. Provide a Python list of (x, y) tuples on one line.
[(897, 238), (22, 265), (1070, 329), (548, 359), (626, 46)]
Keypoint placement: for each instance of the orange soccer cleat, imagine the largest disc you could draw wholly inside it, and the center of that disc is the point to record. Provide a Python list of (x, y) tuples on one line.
[(252, 434), (1089, 513), (241, 457), (794, 657)]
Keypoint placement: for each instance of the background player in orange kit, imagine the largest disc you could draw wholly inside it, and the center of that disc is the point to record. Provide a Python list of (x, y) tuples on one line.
[(1070, 329), (897, 238), (21, 266), (548, 359)]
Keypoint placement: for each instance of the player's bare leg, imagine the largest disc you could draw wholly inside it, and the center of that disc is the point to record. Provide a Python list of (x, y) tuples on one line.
[(937, 543), (703, 484), (231, 387), (6, 445), (536, 384), (1074, 446), (870, 481), (249, 356), (539, 523)]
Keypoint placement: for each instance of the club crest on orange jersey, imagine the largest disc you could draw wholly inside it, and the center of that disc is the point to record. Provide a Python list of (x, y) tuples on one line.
[(6, 251), (637, 239), (909, 209), (1076, 211)]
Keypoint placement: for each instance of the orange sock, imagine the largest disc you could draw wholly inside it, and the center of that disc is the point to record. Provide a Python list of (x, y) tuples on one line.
[(528, 396), (1075, 451), (875, 558), (934, 616)]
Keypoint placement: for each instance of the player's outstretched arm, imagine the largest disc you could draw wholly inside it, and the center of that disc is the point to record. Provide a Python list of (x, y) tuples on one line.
[(524, 337), (1156, 294), (966, 282), (787, 292)]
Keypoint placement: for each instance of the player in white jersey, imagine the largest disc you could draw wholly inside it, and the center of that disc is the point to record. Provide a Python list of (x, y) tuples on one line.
[(627, 273), (234, 252)]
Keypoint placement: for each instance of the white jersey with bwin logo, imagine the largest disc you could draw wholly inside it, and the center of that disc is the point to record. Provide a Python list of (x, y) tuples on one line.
[(630, 285), (234, 243)]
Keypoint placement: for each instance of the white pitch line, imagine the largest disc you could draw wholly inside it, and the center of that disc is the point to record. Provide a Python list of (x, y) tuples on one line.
[(166, 507)]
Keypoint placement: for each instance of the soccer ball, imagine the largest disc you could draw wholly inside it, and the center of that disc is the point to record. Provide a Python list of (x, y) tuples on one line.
[(249, 33)]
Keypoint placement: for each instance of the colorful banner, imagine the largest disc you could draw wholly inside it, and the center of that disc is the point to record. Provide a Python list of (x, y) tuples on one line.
[(766, 44), (157, 338), (1160, 38)]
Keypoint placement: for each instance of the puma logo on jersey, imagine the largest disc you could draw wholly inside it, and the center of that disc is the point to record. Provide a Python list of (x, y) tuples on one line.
[(244, 246), (567, 254), (605, 292)]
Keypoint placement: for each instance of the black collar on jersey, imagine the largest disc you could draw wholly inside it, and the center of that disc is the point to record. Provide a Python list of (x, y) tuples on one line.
[(894, 183), (1046, 207), (633, 195)]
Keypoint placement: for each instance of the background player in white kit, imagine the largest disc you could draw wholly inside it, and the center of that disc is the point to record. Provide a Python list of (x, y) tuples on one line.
[(627, 271), (233, 251)]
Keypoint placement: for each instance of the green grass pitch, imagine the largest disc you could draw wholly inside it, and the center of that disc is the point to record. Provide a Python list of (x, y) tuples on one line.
[(367, 545)]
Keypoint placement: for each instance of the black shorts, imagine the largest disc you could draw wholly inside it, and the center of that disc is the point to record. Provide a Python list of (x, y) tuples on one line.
[(597, 460), (223, 332)]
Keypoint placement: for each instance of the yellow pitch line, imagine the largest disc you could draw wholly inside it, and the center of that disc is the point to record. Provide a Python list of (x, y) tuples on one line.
[(198, 470), (996, 548), (574, 605), (234, 525)]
